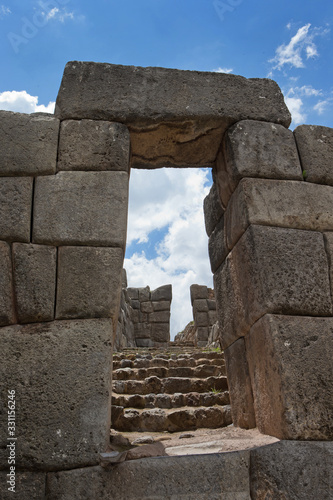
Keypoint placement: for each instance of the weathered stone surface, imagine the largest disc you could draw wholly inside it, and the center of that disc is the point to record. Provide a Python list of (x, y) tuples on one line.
[(162, 293), (15, 208), (202, 333), (292, 470), (256, 149), (175, 117), (160, 332), (329, 249), (88, 282), (212, 318), (93, 145), (146, 307), (63, 395), (200, 305), (291, 367), (201, 319), (142, 331), (81, 208), (198, 292), (217, 246), (28, 485), (34, 282), (213, 476), (144, 294), (315, 146), (239, 384), (271, 270), (7, 312), (144, 342), (213, 209), (133, 293), (28, 144), (159, 317), (162, 305), (293, 204)]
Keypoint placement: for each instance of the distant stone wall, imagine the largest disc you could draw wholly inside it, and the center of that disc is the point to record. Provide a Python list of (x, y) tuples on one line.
[(204, 312), (125, 329), (151, 315)]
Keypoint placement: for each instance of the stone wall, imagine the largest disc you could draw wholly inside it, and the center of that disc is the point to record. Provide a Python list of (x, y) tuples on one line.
[(63, 203), (151, 315), (204, 313), (269, 220), (125, 328)]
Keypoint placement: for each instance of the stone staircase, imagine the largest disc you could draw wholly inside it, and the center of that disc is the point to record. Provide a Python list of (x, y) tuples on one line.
[(179, 389)]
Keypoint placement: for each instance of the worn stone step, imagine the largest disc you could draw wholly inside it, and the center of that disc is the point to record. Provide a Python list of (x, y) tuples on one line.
[(171, 400), (169, 385), (201, 371), (166, 363), (174, 420)]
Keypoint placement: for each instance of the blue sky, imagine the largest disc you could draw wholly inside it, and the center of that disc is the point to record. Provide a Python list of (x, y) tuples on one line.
[(289, 41)]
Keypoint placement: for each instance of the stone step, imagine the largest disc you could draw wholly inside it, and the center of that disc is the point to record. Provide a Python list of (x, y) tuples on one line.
[(171, 400), (166, 363), (173, 420), (201, 371), (170, 385)]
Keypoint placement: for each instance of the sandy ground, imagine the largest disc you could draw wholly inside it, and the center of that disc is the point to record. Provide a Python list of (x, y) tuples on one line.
[(206, 440)]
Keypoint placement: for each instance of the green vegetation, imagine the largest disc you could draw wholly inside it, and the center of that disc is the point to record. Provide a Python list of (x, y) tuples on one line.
[(215, 391), (304, 174)]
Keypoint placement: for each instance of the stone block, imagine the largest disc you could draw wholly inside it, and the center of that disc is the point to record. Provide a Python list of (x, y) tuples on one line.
[(176, 118), (217, 246), (159, 317), (144, 343), (198, 292), (212, 317), (89, 282), (28, 485), (162, 293), (201, 319), (292, 204), (146, 307), (200, 305), (93, 145), (142, 331), (7, 311), (292, 470), (315, 146), (329, 250), (135, 304), (160, 332), (213, 209), (256, 149), (211, 304), (133, 293), (239, 383), (291, 365), (34, 282), (29, 144), (15, 208), (271, 270), (63, 394), (202, 334), (81, 208), (199, 477), (144, 294), (162, 305), (136, 316)]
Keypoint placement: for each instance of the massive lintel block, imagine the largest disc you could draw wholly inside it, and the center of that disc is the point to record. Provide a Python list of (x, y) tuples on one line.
[(176, 118)]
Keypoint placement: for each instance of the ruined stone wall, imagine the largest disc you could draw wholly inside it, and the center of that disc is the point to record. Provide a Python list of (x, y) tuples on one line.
[(151, 315), (269, 220), (125, 328), (63, 203), (204, 313)]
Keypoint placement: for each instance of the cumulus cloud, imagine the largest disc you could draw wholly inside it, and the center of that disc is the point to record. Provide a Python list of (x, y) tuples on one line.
[(322, 106), (223, 70), (295, 106), (22, 102), (169, 198), (4, 11), (300, 47)]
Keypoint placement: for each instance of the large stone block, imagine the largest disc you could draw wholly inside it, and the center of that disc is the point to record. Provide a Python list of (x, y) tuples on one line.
[(213, 209), (292, 470), (160, 332), (162, 305), (200, 477), (329, 249), (239, 383), (28, 485), (198, 292), (315, 146), (201, 319), (7, 312), (89, 282), (217, 246), (142, 330), (256, 149), (93, 145), (61, 372), (81, 208), (271, 270), (162, 293), (298, 205), (159, 317), (15, 208), (291, 367), (200, 305), (176, 118), (28, 144), (202, 334), (34, 282)]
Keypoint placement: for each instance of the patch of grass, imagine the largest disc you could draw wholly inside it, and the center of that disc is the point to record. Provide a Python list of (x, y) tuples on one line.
[(304, 174), (215, 391)]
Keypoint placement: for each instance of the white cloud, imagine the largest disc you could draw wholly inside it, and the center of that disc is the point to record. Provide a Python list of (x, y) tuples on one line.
[(322, 106), (223, 70), (170, 198), (22, 102), (295, 105), (300, 46), (4, 11), (55, 13), (305, 90)]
